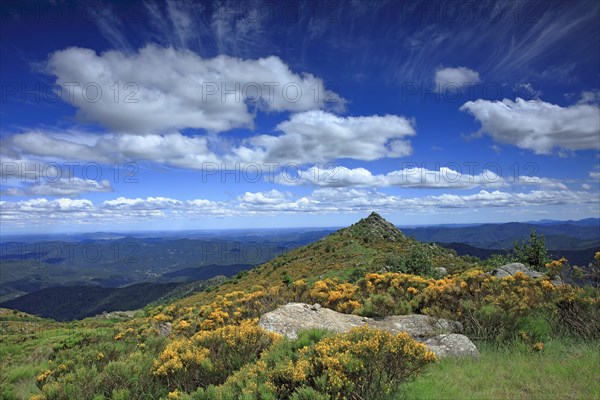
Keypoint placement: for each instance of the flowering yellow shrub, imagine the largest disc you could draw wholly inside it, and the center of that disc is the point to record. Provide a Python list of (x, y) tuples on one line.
[(556, 267), (49, 376), (125, 333), (489, 307), (331, 294), (183, 364), (394, 283), (210, 356), (43, 377), (215, 319), (228, 309), (161, 318), (579, 310), (182, 325), (358, 362), (364, 363)]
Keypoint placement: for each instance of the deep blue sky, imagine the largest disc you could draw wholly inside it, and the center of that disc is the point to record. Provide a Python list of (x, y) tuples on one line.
[(427, 112)]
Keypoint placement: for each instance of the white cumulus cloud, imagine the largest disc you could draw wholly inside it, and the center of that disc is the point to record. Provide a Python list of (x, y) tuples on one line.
[(455, 78), (537, 125), (271, 197), (417, 177), (42, 212), (172, 149), (308, 137), (159, 89), (315, 136)]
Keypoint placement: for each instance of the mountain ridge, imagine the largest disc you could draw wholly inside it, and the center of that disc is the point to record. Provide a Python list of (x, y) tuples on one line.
[(372, 244)]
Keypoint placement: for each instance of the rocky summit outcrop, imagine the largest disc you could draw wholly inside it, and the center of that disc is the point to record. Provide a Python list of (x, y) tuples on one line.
[(375, 227), (440, 335)]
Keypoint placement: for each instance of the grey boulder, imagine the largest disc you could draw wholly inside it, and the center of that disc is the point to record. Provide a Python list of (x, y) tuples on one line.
[(440, 335), (512, 268)]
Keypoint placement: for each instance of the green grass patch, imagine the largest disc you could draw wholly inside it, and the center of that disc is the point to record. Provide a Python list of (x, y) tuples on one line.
[(563, 370)]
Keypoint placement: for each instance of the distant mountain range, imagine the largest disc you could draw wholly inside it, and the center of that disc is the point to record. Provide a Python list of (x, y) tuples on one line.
[(50, 275), (228, 234), (223, 234), (581, 222), (31, 266), (575, 235)]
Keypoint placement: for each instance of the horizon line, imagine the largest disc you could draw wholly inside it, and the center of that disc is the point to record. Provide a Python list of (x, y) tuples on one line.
[(125, 232)]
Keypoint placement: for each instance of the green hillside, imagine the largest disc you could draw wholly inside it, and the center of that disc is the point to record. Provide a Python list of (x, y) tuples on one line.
[(209, 346), (370, 245)]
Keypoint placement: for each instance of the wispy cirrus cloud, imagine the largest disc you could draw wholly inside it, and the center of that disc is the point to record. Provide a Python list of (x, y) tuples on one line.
[(111, 27), (508, 38)]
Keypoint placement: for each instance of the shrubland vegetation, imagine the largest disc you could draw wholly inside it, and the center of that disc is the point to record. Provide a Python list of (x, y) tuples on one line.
[(216, 350)]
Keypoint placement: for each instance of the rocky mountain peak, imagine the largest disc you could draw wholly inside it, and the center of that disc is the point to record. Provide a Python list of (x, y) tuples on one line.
[(375, 228)]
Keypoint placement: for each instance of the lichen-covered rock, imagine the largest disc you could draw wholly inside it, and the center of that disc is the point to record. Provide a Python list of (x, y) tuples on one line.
[(440, 335)]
